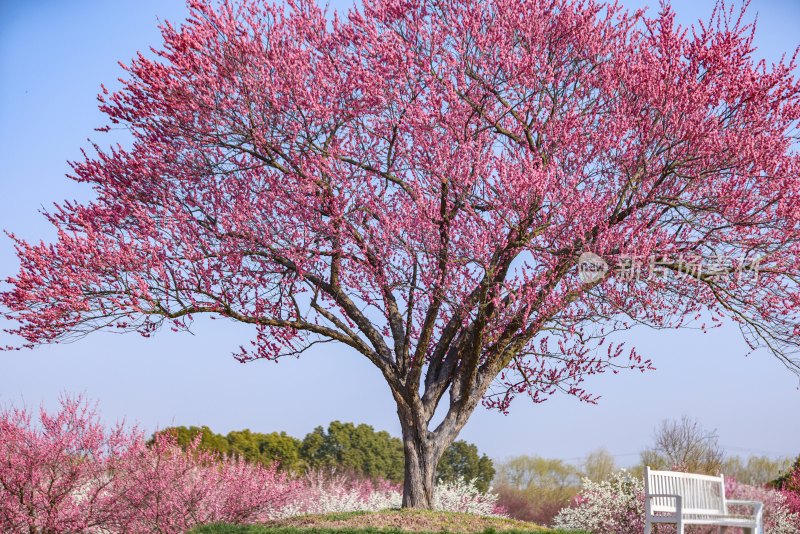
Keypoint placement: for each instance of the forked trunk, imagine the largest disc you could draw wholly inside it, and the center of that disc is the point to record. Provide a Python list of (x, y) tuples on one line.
[(421, 461), (422, 448)]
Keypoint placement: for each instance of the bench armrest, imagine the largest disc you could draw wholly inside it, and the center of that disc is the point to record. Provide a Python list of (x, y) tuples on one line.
[(678, 500), (757, 506)]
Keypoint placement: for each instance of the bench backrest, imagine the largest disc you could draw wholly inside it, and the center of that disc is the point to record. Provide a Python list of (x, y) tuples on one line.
[(701, 494)]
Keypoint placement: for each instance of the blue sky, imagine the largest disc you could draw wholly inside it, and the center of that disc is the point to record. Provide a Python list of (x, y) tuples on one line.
[(53, 57)]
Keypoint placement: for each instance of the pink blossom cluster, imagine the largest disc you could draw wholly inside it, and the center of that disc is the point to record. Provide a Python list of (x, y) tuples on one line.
[(791, 489), (166, 489), (57, 476)]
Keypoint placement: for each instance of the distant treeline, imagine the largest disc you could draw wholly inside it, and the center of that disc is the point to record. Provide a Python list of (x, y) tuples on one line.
[(350, 448)]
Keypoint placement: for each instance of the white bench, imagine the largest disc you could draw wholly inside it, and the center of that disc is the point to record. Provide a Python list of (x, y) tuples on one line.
[(688, 499)]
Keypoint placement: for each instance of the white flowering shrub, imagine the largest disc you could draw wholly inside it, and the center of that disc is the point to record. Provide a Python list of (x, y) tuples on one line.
[(325, 494), (330, 493), (354, 499), (463, 496), (614, 506)]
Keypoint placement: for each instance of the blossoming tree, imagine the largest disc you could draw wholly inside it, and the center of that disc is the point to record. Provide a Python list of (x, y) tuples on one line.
[(419, 179)]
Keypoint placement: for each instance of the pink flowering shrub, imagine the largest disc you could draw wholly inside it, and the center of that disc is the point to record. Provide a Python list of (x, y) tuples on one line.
[(617, 507), (55, 475), (778, 516), (792, 501), (167, 490), (66, 473), (791, 489)]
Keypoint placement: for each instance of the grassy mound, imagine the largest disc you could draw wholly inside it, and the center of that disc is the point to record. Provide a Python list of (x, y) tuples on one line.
[(385, 522)]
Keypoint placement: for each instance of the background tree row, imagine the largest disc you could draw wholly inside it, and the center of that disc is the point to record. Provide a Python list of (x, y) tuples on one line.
[(354, 449)]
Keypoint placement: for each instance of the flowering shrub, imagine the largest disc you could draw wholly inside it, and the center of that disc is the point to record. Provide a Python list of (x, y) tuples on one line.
[(54, 475), (69, 474), (322, 493), (790, 488), (462, 496), (328, 493), (617, 506), (612, 506), (165, 490), (778, 517)]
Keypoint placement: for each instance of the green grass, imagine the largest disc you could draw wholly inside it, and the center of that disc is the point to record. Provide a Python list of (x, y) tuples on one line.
[(386, 522), (265, 529)]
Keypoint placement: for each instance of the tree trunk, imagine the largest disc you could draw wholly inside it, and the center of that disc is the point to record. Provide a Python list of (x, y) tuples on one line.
[(421, 459), (422, 450)]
